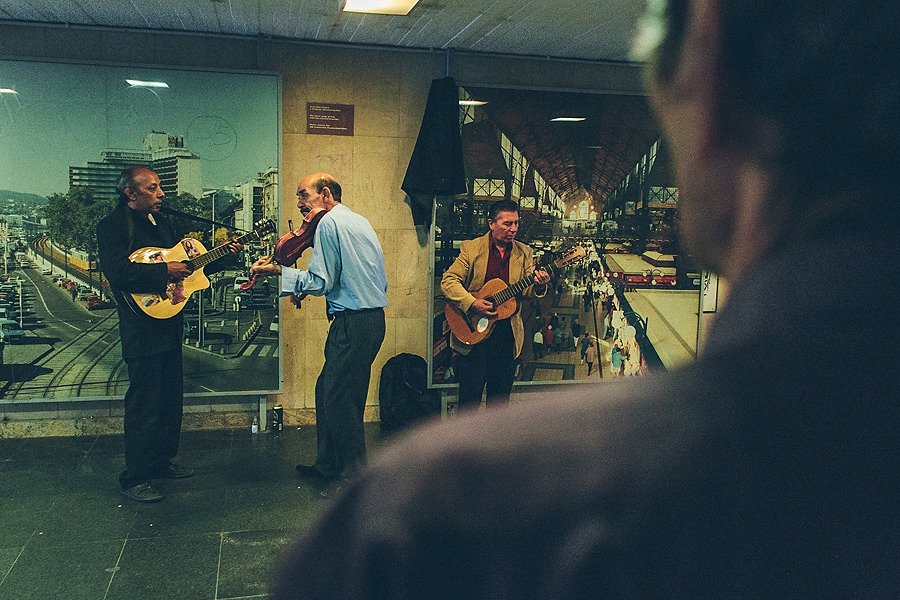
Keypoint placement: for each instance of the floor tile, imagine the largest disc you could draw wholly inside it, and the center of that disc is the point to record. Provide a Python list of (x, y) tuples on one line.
[(292, 505), (86, 517), (20, 518), (98, 472), (181, 513), (56, 447), (108, 444), (167, 568), (8, 558), (8, 448), (31, 477), (248, 560), (66, 531), (70, 571)]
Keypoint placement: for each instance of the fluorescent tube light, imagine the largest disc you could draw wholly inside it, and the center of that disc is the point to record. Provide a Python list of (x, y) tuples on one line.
[(381, 7), (568, 119), (472, 102), (7, 91), (149, 84)]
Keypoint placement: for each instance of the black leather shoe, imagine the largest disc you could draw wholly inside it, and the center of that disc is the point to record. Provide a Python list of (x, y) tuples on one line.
[(143, 492), (173, 471), (311, 472)]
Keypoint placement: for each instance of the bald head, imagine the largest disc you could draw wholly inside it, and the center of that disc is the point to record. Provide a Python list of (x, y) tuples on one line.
[(320, 181)]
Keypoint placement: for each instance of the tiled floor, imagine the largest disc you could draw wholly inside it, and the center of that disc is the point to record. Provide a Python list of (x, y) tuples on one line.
[(67, 533)]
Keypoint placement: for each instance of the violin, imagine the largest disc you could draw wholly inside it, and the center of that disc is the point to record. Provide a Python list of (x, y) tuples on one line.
[(292, 244)]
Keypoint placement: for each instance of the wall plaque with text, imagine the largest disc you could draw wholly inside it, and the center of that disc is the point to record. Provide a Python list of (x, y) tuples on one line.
[(329, 119)]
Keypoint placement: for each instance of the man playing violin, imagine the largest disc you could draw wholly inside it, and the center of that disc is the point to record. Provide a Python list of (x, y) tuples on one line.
[(494, 255), (347, 267)]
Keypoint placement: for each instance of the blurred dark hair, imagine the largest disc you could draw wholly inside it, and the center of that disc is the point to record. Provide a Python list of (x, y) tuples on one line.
[(825, 71)]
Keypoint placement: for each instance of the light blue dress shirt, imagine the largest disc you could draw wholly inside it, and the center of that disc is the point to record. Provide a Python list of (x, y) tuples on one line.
[(346, 266)]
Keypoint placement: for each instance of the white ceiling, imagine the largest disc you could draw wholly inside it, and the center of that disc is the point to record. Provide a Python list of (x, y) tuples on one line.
[(586, 29)]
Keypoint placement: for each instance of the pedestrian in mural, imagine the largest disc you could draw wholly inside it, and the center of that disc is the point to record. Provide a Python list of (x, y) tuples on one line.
[(549, 337), (583, 343), (537, 345), (590, 356)]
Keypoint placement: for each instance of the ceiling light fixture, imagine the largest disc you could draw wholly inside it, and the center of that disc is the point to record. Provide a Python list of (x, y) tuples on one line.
[(7, 91), (380, 7), (148, 84), (568, 119), (472, 102)]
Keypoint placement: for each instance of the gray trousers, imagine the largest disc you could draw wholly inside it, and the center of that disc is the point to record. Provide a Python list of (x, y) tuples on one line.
[(354, 339)]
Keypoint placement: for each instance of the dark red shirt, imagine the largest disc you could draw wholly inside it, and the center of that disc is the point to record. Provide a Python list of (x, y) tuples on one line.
[(498, 266)]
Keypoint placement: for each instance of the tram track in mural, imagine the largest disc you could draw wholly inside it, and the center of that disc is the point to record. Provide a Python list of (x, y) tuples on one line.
[(80, 367), (70, 354)]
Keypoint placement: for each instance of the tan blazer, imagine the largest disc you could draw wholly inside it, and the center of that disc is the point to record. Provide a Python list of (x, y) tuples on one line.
[(467, 273)]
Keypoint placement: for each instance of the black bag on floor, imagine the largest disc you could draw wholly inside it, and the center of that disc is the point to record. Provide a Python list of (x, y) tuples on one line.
[(403, 394)]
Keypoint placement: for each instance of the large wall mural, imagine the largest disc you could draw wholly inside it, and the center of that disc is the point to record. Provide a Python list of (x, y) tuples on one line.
[(66, 131), (588, 171)]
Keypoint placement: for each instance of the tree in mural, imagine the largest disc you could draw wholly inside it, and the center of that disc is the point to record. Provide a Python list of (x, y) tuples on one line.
[(72, 220)]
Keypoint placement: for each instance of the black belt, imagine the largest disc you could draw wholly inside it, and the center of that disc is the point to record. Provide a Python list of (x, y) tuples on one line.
[(348, 311)]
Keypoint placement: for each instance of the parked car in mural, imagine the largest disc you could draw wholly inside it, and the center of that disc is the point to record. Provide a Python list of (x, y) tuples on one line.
[(93, 302), (10, 331)]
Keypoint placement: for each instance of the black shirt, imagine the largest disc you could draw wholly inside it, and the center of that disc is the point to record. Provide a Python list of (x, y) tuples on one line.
[(141, 334)]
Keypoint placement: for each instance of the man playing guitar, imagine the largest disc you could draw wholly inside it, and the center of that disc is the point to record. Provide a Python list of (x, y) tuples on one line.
[(151, 346), (495, 255)]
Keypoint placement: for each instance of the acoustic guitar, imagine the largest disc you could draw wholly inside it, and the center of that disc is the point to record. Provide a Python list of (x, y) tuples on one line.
[(473, 328), (194, 255)]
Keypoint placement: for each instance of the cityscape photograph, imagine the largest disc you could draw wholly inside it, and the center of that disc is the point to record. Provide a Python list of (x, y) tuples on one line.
[(66, 134)]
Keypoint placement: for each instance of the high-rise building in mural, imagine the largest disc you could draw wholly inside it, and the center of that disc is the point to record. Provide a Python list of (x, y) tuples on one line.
[(179, 170), (102, 176)]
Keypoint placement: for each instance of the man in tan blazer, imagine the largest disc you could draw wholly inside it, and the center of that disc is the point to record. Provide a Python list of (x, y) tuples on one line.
[(495, 255)]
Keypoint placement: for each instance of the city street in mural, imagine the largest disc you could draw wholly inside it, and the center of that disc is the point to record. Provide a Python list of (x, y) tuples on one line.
[(66, 132), (587, 170)]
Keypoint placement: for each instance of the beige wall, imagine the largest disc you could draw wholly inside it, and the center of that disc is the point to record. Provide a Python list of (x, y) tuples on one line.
[(388, 89)]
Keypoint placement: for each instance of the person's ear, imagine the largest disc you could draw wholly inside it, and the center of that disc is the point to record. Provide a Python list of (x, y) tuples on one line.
[(698, 78)]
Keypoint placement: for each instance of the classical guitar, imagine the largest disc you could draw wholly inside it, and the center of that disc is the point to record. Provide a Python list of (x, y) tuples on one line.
[(473, 328), (192, 253)]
